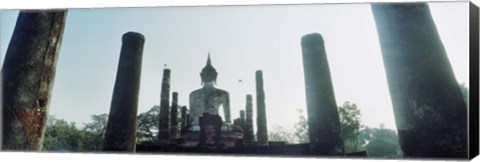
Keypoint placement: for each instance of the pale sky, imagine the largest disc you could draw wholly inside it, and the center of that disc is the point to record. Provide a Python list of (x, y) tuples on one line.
[(241, 40)]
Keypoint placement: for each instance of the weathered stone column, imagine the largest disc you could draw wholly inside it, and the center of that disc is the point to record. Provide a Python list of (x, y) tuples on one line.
[(430, 113), (174, 118), (248, 133), (183, 117), (323, 118), (188, 120), (163, 129), (28, 74), (262, 135), (121, 126), (242, 119)]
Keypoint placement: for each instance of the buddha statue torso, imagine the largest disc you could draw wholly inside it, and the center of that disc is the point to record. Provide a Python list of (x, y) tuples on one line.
[(208, 100)]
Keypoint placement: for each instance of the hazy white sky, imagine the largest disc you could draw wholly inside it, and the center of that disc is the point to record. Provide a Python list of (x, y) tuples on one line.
[(241, 40)]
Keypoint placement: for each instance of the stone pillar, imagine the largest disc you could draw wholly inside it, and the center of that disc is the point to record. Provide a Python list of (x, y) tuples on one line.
[(430, 113), (242, 119), (237, 121), (262, 135), (188, 120), (323, 118), (121, 129), (27, 78), (163, 129), (248, 133), (183, 118), (174, 118)]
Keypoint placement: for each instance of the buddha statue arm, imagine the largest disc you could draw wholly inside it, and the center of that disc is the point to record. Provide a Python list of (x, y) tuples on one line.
[(226, 107)]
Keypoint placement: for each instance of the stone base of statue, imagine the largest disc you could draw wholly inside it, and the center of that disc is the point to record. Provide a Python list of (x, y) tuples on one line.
[(211, 132)]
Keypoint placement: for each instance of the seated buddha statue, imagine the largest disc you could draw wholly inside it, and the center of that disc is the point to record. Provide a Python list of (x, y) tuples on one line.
[(208, 99)]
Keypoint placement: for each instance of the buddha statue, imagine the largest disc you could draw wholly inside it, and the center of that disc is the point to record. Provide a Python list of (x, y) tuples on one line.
[(208, 98)]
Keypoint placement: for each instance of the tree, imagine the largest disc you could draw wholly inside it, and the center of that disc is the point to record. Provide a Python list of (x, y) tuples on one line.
[(62, 136), (349, 123), (278, 133), (350, 126), (147, 125), (381, 147), (301, 128), (95, 132), (380, 142)]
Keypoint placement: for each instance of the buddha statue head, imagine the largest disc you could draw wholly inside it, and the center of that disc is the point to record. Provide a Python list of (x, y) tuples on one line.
[(208, 73)]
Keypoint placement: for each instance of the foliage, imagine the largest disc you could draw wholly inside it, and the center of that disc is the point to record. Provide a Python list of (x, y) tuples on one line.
[(380, 142), (95, 132), (381, 147), (147, 125), (301, 129), (278, 133), (62, 136), (350, 126)]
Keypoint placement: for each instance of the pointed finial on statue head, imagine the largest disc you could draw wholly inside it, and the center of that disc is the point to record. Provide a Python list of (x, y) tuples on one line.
[(209, 62)]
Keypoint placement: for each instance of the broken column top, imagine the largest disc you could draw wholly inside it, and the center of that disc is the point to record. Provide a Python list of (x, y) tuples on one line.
[(166, 70), (132, 36), (175, 94), (259, 72), (312, 38)]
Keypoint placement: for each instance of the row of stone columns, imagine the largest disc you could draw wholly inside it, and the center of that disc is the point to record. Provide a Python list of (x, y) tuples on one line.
[(246, 116), (169, 122), (422, 90), (429, 111)]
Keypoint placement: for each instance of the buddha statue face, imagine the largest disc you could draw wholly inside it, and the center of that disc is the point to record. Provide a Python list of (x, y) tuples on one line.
[(208, 73)]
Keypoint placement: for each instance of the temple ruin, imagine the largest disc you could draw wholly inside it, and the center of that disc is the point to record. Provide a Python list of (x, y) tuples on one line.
[(430, 114), (204, 130)]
